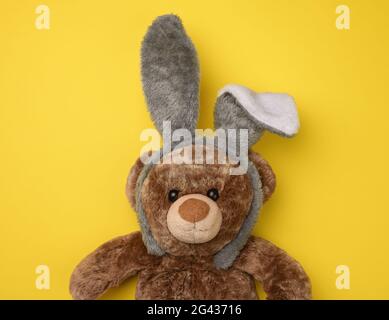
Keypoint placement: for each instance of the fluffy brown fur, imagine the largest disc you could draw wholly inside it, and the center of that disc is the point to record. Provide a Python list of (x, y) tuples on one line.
[(189, 277), (187, 271), (235, 198), (186, 268)]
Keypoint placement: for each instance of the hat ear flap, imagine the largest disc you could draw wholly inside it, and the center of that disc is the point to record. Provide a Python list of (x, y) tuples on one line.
[(132, 180), (170, 74), (266, 174), (135, 180)]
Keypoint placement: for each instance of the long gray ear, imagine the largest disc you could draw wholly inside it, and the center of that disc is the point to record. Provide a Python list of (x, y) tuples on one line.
[(238, 107), (170, 74)]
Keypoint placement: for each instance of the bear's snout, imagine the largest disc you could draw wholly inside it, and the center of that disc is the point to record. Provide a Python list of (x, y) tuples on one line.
[(193, 210), (194, 218)]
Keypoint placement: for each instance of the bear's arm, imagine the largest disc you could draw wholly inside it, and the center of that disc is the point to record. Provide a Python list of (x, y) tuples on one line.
[(281, 276), (109, 265)]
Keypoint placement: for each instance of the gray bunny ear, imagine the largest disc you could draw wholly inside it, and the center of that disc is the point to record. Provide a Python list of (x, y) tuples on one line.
[(170, 74), (238, 107)]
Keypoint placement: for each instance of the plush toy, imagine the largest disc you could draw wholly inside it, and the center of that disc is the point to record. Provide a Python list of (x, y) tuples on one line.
[(196, 218)]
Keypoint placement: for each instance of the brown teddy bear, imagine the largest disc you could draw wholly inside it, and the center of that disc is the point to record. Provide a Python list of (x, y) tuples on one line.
[(196, 216)]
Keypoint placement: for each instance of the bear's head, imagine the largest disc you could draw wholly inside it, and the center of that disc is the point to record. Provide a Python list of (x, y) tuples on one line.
[(186, 204)]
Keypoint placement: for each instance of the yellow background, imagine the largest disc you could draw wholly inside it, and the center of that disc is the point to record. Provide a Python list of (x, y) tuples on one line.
[(72, 109)]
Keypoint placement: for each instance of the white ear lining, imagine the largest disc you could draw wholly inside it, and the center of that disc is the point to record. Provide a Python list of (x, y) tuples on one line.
[(275, 112)]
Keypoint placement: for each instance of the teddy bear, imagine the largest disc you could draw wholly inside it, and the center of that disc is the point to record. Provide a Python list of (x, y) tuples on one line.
[(196, 217)]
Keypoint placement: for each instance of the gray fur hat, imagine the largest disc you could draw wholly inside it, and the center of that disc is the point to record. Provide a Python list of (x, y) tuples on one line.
[(170, 77)]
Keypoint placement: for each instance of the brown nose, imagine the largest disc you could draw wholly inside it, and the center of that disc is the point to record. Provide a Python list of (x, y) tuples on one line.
[(193, 210)]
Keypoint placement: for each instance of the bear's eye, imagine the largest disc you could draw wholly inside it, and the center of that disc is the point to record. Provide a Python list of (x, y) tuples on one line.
[(173, 195), (213, 194)]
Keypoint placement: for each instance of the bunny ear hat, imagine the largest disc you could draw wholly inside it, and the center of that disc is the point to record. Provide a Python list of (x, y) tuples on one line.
[(170, 78), (170, 74)]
